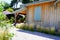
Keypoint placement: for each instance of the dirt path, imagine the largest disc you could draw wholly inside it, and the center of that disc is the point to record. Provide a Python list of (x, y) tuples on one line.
[(28, 35)]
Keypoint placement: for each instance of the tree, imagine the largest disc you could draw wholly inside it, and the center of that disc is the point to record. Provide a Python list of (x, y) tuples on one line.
[(1, 8), (5, 5), (14, 3), (5, 25), (2, 16), (25, 1)]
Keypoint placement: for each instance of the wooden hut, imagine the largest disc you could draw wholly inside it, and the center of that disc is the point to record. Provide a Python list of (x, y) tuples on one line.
[(45, 13)]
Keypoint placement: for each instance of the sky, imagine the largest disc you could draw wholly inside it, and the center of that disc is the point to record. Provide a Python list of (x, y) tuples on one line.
[(8, 1)]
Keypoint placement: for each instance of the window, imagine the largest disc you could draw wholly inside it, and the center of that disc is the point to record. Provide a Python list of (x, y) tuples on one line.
[(37, 13)]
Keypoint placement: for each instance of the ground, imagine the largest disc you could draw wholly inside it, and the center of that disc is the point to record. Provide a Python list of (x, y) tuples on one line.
[(28, 35)]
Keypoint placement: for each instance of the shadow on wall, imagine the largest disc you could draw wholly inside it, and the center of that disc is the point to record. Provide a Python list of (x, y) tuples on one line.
[(40, 34)]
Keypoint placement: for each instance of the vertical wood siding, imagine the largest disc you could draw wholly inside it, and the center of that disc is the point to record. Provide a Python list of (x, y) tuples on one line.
[(50, 14), (30, 14)]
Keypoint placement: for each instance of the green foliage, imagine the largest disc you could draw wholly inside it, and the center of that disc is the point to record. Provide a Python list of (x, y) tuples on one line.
[(22, 19), (5, 35), (52, 30), (31, 27), (1, 8), (25, 27), (5, 25), (38, 28), (14, 2), (59, 32), (2, 16), (12, 19), (22, 26), (10, 9), (31, 0), (25, 1), (47, 30), (5, 5)]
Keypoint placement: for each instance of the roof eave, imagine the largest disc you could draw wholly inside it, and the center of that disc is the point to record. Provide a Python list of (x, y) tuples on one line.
[(17, 11), (38, 2)]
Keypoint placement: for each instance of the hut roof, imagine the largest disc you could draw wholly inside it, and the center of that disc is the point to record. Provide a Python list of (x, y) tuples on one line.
[(6, 12)]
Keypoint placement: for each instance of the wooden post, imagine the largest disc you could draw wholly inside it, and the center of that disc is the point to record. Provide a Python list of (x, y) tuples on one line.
[(15, 20)]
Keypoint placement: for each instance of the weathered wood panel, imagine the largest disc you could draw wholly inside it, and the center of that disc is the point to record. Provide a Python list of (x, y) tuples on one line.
[(50, 14), (30, 14)]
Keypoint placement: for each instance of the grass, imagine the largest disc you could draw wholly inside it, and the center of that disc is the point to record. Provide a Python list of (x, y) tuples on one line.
[(31, 27), (25, 27), (20, 26), (3, 35), (42, 29), (46, 30), (59, 32), (39, 28), (52, 30)]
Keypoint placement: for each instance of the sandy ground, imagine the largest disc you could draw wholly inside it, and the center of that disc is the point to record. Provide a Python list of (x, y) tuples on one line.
[(28, 35)]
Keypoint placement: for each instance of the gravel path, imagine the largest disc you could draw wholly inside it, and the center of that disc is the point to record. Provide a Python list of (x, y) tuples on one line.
[(28, 35)]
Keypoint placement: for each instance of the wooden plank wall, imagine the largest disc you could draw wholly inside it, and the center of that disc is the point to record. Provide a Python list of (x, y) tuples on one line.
[(50, 14), (30, 14)]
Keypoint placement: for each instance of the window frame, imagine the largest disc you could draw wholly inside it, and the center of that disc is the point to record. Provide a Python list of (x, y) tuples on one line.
[(39, 12)]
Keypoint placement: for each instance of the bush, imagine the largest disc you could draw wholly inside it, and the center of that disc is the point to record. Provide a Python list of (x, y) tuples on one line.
[(20, 25), (59, 32), (42, 29), (31, 27), (38, 28), (5, 35), (52, 30), (4, 27), (48, 30), (10, 9), (1, 34), (25, 27), (25, 1)]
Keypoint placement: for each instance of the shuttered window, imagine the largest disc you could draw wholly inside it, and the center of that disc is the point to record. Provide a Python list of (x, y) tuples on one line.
[(37, 13)]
